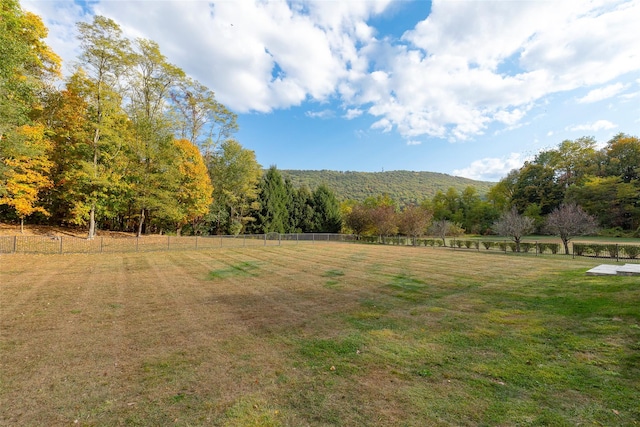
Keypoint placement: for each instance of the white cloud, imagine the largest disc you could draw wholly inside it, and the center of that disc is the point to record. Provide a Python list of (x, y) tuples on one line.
[(599, 94), (323, 114), (466, 67), (473, 64), (352, 113), (593, 127), (491, 168), (413, 142)]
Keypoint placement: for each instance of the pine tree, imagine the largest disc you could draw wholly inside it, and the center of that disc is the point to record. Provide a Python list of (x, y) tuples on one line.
[(273, 215), (327, 218)]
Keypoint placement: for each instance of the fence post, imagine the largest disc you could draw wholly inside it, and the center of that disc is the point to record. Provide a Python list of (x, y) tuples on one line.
[(536, 243), (168, 242), (279, 239), (265, 239), (617, 253), (60, 244), (137, 243)]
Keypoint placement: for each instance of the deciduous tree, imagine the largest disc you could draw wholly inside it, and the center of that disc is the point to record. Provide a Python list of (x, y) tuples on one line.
[(154, 178), (235, 174), (359, 219), (28, 175), (105, 56), (384, 219), (413, 221), (200, 117), (568, 221), (443, 228), (195, 192), (513, 225), (27, 68)]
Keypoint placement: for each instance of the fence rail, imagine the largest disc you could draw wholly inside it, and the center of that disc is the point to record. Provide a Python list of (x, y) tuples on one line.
[(70, 245)]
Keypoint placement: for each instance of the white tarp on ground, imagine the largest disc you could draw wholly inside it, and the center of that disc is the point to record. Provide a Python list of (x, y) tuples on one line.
[(615, 270)]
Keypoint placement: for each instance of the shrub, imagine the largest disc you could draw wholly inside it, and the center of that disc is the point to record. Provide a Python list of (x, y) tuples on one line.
[(596, 249), (554, 247), (487, 245), (613, 250), (468, 244), (579, 249), (459, 243), (526, 247), (513, 247), (502, 246), (632, 251), (476, 244)]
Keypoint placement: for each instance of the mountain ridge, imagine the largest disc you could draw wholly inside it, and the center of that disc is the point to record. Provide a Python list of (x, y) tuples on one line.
[(405, 187)]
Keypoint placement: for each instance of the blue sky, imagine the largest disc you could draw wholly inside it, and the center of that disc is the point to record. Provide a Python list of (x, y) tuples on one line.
[(470, 88)]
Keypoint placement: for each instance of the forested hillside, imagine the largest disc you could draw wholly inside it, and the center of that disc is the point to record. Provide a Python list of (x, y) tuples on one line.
[(405, 187)]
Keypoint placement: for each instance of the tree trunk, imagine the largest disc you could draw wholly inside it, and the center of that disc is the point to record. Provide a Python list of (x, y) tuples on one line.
[(140, 223), (179, 231), (566, 246), (21, 225), (92, 222)]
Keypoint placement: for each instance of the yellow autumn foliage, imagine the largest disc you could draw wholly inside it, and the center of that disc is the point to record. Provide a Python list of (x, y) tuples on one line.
[(28, 175), (195, 191)]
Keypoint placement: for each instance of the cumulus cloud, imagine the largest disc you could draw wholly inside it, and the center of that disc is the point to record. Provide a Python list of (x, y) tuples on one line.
[(473, 64), (465, 67), (491, 168), (593, 127)]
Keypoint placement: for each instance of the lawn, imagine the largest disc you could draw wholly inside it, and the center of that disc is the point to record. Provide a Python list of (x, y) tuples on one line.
[(316, 335)]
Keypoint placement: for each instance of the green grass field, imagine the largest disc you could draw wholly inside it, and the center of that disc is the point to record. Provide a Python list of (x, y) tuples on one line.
[(316, 335)]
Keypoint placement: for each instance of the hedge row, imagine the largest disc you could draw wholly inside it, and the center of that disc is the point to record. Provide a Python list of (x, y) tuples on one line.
[(552, 248), (579, 249), (606, 250)]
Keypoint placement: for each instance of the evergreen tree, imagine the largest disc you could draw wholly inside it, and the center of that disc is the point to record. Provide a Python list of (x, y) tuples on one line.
[(302, 213), (327, 218), (273, 215)]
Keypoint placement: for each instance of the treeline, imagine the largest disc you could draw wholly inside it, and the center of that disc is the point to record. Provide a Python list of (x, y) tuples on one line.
[(406, 187), (604, 182), (575, 181), (130, 143)]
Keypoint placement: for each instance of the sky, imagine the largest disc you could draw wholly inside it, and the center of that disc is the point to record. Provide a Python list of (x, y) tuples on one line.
[(469, 88)]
